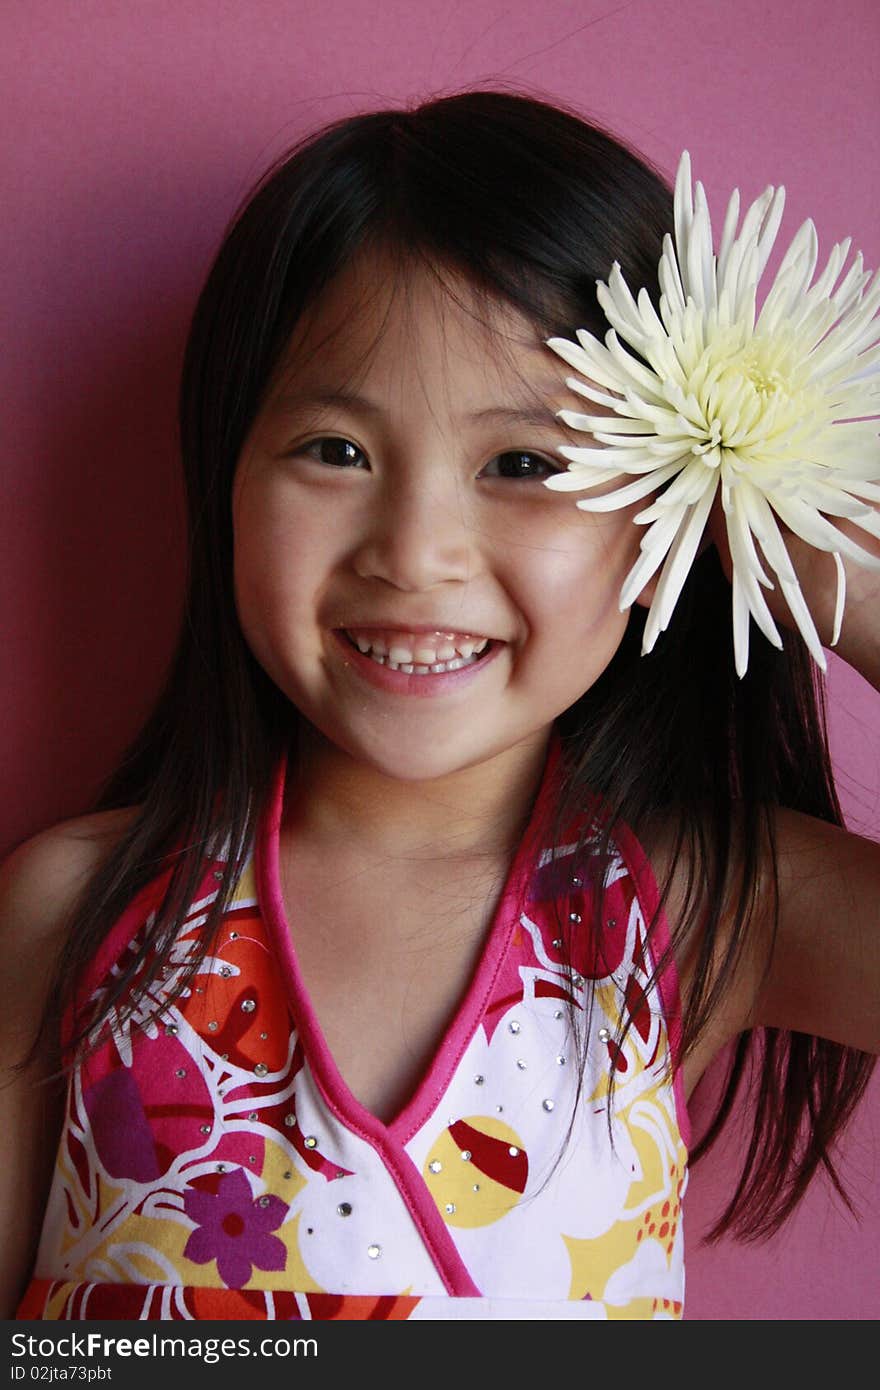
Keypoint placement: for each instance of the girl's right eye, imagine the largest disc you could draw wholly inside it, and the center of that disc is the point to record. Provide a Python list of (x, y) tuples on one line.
[(338, 453)]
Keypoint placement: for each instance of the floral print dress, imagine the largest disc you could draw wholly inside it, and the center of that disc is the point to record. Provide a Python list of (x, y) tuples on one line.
[(214, 1164)]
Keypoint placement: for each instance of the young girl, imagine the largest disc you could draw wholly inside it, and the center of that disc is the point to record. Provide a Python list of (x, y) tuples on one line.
[(377, 983)]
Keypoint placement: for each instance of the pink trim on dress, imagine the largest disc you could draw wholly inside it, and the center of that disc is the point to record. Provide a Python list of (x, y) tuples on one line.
[(389, 1139)]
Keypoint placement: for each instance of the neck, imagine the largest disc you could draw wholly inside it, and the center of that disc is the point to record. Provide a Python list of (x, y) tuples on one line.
[(475, 812)]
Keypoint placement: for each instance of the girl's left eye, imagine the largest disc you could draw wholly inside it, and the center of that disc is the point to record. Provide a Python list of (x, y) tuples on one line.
[(520, 463), (333, 450)]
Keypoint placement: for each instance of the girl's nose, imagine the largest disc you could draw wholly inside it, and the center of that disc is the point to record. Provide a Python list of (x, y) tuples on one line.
[(417, 535)]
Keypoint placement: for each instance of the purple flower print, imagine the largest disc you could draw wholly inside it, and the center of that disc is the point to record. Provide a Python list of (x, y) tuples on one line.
[(233, 1229)]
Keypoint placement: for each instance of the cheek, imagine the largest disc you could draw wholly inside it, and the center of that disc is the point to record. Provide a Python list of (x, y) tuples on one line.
[(278, 554), (268, 581), (582, 571)]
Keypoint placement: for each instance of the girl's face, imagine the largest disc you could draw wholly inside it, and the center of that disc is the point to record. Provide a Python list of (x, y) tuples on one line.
[(389, 497)]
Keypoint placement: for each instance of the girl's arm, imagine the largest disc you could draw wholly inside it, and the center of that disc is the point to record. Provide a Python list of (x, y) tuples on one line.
[(824, 977), (38, 885)]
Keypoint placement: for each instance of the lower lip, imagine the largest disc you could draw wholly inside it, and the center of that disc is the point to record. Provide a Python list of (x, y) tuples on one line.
[(402, 683)]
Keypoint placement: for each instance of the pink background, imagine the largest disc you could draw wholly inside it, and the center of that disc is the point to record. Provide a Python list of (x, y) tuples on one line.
[(131, 130)]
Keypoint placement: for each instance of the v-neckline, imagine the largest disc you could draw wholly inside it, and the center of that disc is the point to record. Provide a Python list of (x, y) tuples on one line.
[(445, 1056)]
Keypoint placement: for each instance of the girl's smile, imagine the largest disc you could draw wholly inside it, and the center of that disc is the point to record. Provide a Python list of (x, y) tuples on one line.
[(400, 571), (407, 663)]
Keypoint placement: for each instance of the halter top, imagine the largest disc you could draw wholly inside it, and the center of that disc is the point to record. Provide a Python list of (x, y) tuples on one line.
[(213, 1163)]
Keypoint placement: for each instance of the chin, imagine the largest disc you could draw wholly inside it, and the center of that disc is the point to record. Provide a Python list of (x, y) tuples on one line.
[(414, 756)]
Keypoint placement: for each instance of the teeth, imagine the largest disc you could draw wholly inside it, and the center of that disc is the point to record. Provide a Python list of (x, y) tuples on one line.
[(437, 669), (419, 651)]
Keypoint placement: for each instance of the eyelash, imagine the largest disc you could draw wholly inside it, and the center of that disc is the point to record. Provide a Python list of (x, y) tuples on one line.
[(548, 464)]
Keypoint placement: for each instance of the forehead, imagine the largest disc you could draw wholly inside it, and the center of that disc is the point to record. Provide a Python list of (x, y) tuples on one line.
[(393, 320)]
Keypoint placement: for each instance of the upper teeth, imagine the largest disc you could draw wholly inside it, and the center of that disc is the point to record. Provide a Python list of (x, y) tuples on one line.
[(422, 649)]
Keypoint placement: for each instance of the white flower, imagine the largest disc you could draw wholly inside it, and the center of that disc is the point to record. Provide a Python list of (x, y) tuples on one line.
[(768, 406)]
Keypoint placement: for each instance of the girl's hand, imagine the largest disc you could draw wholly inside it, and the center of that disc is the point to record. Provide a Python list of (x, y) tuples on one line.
[(859, 643)]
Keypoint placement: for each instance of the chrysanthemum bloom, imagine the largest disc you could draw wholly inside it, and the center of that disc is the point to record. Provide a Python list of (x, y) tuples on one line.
[(776, 408)]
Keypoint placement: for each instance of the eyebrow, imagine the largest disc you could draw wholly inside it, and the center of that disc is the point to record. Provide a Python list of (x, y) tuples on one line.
[(533, 414)]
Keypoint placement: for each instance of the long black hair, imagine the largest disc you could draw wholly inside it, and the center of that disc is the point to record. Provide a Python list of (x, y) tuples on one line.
[(531, 205)]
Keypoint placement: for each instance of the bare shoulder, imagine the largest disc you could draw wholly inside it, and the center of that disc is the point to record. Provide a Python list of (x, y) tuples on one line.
[(814, 967), (824, 972), (41, 878), (39, 884)]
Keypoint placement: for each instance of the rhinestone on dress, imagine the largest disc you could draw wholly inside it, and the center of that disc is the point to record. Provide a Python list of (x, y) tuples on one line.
[(344, 1209), (435, 1166), (264, 1201), (252, 1158), (521, 1066), (181, 1071), (310, 1141), (260, 1069), (576, 881), (557, 943), (604, 1035), (290, 1120), (574, 917), (560, 1061), (577, 981), (547, 1105), (557, 1013), (513, 1027), (287, 1175), (218, 873), (170, 1030), (466, 1155), (478, 1080), (476, 1187), (450, 1208), (612, 921), (233, 936), (221, 1167), (513, 1151), (264, 1037), (374, 1251), (248, 1006), (205, 1129), (213, 1026), (252, 1115), (225, 971)]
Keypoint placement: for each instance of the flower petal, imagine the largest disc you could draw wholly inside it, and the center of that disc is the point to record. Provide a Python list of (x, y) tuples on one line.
[(779, 407), (840, 600), (675, 570)]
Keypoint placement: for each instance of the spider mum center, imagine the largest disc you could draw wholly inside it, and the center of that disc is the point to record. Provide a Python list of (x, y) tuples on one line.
[(753, 402)]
